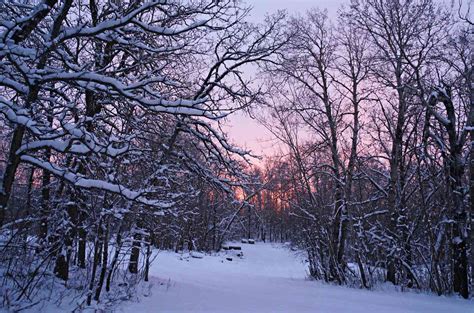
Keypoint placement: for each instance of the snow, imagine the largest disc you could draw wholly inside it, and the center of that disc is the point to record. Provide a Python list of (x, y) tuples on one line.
[(269, 278), (197, 255)]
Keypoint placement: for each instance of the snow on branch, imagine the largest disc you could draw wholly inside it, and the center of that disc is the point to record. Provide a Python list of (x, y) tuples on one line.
[(81, 182)]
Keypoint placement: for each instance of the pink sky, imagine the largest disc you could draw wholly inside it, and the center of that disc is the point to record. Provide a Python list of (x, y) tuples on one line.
[(243, 130)]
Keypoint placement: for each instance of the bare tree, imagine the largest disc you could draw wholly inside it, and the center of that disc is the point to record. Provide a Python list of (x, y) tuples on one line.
[(120, 106)]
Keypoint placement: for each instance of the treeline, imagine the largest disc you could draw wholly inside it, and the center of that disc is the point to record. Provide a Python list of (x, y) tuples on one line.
[(110, 139), (375, 111)]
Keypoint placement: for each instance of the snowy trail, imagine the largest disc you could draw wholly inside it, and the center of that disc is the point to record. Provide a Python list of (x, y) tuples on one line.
[(269, 279)]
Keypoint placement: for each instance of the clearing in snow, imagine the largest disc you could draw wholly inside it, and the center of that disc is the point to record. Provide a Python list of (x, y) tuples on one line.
[(269, 278)]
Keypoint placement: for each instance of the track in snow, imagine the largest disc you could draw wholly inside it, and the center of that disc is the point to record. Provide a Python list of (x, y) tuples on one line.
[(272, 279)]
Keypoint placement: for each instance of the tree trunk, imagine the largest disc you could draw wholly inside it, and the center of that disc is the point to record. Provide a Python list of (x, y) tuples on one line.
[(148, 254), (45, 199), (459, 232), (113, 264), (61, 268), (81, 247), (97, 248), (103, 270), (10, 171), (135, 253), (471, 194)]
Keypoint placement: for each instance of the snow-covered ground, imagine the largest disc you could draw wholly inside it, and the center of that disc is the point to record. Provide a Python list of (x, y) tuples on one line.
[(269, 278)]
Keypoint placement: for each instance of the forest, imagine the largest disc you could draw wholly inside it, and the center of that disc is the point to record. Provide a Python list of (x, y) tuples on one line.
[(113, 142)]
